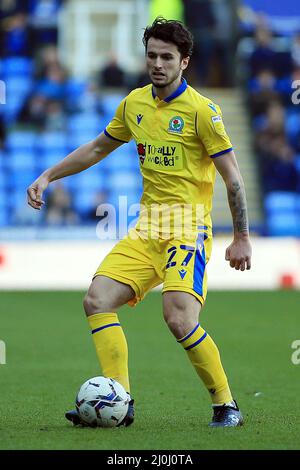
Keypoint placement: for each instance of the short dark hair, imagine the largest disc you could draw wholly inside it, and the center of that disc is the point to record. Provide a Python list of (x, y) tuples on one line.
[(170, 31)]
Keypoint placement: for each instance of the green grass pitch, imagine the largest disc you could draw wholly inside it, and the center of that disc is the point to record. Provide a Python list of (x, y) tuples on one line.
[(49, 354)]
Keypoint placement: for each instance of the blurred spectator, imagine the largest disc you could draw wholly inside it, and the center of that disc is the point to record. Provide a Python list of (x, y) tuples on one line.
[(33, 112), (56, 119), (141, 80), (59, 207), (277, 157), (45, 58), (44, 20), (89, 100), (101, 197), (199, 18), (295, 50), (53, 86), (112, 75), (225, 37), (263, 92), (263, 57), (10, 7), (285, 86), (16, 36)]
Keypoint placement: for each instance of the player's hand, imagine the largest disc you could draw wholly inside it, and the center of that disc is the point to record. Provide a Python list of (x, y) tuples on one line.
[(35, 192), (239, 253)]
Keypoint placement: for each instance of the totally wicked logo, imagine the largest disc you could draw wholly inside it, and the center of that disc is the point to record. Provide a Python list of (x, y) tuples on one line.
[(160, 156), (176, 125)]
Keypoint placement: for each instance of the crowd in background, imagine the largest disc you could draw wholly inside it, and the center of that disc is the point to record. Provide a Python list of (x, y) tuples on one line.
[(275, 116), (43, 98)]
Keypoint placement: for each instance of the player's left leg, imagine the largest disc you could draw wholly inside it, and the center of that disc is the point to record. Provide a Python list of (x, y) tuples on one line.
[(184, 292), (181, 313)]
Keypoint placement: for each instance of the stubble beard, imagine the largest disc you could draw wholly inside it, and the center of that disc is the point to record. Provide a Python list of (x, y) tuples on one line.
[(164, 85)]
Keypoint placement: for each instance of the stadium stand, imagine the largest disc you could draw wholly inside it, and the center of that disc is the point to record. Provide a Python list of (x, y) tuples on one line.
[(48, 113)]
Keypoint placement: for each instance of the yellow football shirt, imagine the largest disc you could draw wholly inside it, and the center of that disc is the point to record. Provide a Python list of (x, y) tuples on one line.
[(176, 140)]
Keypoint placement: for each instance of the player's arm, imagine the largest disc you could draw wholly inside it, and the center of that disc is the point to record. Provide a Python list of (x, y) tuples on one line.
[(239, 252), (82, 158)]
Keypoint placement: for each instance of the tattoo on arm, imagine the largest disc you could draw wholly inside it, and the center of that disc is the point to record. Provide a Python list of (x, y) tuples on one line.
[(238, 206)]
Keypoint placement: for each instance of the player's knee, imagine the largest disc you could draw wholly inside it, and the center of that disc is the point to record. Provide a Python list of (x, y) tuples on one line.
[(176, 325), (178, 321), (94, 304), (179, 316)]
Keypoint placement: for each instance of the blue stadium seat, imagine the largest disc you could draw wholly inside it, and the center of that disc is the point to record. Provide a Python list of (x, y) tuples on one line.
[(21, 140), (3, 180), (12, 107), (283, 215), (17, 66), (122, 158), (19, 86), (21, 179), (4, 218), (84, 202), (3, 160), (3, 197), (280, 201), (57, 141), (19, 160), (123, 181), (284, 224), (85, 123), (17, 198), (90, 180), (75, 88), (75, 140), (110, 104), (132, 197), (48, 158)]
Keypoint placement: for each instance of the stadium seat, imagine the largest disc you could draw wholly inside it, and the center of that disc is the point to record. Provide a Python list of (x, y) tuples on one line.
[(17, 198), (90, 180), (85, 123), (75, 88), (48, 158), (19, 160), (284, 224), (12, 107), (21, 179), (3, 180), (123, 181), (57, 141), (75, 140), (21, 140), (280, 201), (3, 159), (17, 66), (110, 104), (84, 202), (123, 158), (19, 86), (4, 219)]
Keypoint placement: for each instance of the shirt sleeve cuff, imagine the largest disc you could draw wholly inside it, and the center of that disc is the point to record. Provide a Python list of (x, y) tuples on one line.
[(114, 138), (218, 154)]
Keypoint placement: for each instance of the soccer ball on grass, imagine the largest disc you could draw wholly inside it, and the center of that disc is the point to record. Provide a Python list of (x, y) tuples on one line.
[(103, 402)]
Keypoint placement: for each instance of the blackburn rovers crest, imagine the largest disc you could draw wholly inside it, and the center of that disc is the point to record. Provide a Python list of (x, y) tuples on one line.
[(176, 125)]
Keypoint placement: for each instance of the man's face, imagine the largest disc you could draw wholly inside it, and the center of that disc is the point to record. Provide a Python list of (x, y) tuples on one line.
[(164, 63)]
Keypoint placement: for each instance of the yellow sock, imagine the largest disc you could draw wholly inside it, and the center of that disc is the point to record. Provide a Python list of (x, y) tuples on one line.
[(111, 346), (205, 357)]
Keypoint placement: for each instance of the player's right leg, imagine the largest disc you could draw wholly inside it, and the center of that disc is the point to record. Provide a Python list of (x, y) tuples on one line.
[(103, 298), (124, 276)]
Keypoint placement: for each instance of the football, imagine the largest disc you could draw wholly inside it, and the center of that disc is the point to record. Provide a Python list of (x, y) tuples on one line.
[(102, 402)]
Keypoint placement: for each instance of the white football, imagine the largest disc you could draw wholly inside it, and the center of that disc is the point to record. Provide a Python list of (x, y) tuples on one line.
[(103, 402)]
